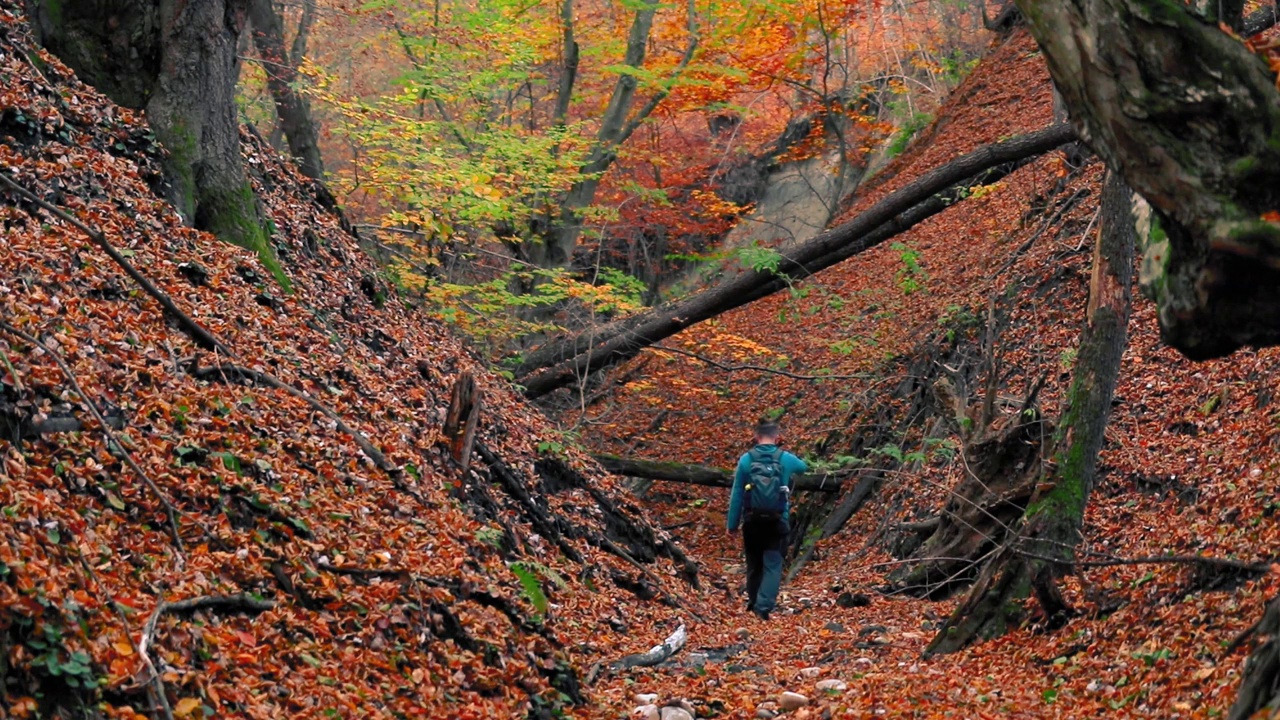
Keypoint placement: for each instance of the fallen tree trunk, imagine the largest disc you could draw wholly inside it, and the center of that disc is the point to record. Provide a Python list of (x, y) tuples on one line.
[(703, 475), (561, 362)]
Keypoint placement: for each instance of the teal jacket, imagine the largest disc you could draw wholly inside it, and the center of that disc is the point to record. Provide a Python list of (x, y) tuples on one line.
[(790, 466)]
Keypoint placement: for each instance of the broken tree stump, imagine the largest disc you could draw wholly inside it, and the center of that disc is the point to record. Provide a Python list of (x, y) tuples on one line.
[(461, 420)]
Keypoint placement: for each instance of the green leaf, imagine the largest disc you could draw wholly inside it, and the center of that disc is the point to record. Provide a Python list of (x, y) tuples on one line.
[(531, 586)]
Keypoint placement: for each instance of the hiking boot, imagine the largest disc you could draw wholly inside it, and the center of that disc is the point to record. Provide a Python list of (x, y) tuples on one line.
[(762, 615)]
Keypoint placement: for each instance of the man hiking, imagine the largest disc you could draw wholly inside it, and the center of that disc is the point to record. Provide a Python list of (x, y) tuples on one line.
[(761, 504)]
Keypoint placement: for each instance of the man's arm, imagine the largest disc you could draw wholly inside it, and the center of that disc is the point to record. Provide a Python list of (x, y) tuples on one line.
[(792, 464), (734, 517)]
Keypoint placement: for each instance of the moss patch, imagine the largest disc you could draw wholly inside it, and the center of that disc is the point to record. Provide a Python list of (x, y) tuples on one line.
[(233, 217)]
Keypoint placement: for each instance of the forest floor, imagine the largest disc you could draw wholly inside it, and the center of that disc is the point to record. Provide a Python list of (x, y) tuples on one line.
[(427, 589)]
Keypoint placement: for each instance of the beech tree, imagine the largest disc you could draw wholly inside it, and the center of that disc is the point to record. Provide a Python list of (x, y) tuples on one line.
[(293, 113), (177, 61), (1046, 538), (1190, 116)]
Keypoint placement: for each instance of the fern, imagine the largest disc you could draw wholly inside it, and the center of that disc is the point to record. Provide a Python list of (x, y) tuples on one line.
[(531, 586)]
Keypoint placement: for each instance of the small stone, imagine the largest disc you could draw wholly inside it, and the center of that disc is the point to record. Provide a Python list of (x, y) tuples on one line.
[(647, 698), (646, 712), (671, 712), (832, 685), (685, 705), (765, 713), (810, 672), (744, 634), (834, 627), (789, 701), (852, 600)]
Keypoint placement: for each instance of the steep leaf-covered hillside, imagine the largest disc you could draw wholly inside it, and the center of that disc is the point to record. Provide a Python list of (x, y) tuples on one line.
[(273, 525)]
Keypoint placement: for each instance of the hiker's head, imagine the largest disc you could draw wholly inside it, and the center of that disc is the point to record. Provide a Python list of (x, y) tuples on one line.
[(767, 432)]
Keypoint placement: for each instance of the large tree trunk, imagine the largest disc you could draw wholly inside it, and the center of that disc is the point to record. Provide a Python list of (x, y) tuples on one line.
[(177, 60), (1190, 118), (281, 68), (1050, 529), (561, 362)]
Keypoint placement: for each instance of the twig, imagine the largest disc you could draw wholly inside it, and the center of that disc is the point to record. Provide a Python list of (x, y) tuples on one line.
[(112, 441), (13, 372), (239, 601), (223, 370), (1049, 222), (202, 336), (756, 368), (1198, 560)]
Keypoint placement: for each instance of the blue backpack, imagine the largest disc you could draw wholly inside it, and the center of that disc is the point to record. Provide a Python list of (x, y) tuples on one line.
[(766, 494)]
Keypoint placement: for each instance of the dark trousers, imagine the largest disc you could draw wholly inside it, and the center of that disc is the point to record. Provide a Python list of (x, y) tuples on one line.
[(764, 541)]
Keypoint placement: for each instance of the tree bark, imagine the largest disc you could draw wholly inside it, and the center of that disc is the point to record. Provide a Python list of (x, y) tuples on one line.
[(1260, 686), (281, 68), (462, 418), (177, 60), (1190, 117), (561, 362), (703, 475), (1002, 473), (1050, 528)]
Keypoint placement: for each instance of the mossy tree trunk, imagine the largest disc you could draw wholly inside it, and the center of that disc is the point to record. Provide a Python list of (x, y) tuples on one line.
[(177, 60), (1044, 546), (1190, 117)]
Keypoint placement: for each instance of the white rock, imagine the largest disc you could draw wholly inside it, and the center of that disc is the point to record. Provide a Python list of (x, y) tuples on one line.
[(646, 712), (647, 698), (810, 672), (832, 685), (789, 701), (672, 712), (765, 713)]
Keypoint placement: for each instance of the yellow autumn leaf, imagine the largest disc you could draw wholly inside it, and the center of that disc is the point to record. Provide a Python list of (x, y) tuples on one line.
[(185, 707), (124, 647)]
